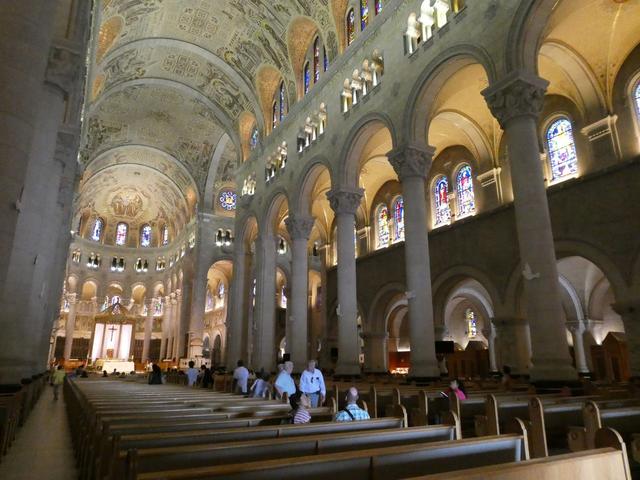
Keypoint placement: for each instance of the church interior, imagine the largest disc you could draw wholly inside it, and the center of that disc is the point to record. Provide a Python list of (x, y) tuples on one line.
[(416, 194)]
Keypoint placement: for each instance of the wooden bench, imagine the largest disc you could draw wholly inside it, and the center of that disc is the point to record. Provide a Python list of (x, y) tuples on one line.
[(385, 463)]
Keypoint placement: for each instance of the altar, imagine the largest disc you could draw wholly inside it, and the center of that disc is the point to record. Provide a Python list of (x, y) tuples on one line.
[(113, 340)]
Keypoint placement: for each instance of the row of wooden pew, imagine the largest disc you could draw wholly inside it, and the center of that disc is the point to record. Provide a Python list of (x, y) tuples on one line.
[(16, 402), (127, 429)]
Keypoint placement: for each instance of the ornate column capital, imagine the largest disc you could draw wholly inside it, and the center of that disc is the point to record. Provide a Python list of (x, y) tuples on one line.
[(63, 68), (519, 94), (72, 298), (344, 199), (299, 227), (411, 160)]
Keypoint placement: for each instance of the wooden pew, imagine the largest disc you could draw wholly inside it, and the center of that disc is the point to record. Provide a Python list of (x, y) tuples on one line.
[(389, 462), (625, 420), (158, 459)]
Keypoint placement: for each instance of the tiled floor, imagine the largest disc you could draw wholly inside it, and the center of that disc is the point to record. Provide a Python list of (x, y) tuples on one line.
[(42, 449)]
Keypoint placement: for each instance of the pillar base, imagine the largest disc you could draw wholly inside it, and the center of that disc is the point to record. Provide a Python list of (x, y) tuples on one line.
[(350, 370), (424, 371), (552, 371)]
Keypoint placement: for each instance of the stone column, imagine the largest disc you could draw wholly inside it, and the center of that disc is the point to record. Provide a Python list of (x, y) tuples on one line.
[(299, 228), (167, 315), (577, 330), (264, 344), (513, 344), (177, 310), (629, 310), (238, 297), (148, 327), (490, 334), (375, 352), (345, 202), (70, 325), (412, 164), (516, 102)]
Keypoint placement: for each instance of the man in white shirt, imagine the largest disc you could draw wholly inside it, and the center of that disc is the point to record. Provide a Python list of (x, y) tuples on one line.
[(312, 384), (192, 374), (241, 377), (284, 383)]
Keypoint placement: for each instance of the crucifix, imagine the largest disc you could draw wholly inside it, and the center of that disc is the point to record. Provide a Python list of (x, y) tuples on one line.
[(112, 329)]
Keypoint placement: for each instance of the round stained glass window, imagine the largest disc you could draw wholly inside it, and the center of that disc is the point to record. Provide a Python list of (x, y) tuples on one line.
[(228, 200)]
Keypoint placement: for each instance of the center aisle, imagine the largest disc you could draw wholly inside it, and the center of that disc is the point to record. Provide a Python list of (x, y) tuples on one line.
[(43, 447)]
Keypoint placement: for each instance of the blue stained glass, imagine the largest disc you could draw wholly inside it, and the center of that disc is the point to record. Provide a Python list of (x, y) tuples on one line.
[(382, 220), (209, 303), (464, 193), (364, 14), (351, 27), (253, 140), (281, 95), (145, 236), (325, 59), (472, 323), (307, 79), (636, 95), (562, 149), (441, 201), (316, 60), (378, 6), (97, 230), (121, 233), (228, 200), (398, 217), (275, 115)]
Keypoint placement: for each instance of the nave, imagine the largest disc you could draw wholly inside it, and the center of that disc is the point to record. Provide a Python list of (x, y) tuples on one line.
[(124, 428)]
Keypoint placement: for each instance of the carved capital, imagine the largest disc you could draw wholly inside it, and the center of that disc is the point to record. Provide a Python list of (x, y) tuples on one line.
[(299, 227), (63, 69), (72, 298), (345, 200), (519, 94), (411, 161)]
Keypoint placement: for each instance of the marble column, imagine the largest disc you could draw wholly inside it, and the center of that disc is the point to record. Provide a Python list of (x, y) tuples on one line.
[(412, 164), (148, 327), (177, 310), (376, 355), (516, 102), (513, 344), (577, 329), (299, 228), (166, 325), (629, 310), (238, 297), (264, 352), (490, 334), (345, 202), (70, 325)]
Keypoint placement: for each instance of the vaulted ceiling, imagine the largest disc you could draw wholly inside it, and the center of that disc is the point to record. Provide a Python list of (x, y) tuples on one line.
[(169, 79)]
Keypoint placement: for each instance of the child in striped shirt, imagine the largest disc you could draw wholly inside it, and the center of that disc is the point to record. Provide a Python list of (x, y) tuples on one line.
[(301, 409)]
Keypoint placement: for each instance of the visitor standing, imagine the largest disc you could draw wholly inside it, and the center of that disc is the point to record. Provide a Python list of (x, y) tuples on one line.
[(57, 380), (312, 384), (240, 378), (284, 383), (192, 374)]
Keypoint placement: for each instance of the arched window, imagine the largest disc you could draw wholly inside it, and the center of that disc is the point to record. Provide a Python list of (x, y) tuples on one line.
[(464, 192), (441, 202), (316, 60), (145, 235), (165, 235), (398, 219), (209, 303), (378, 6), (282, 101), (563, 159), (253, 139), (121, 233), (283, 297), (96, 233), (274, 123), (382, 226), (221, 290), (306, 77), (325, 59), (636, 99), (472, 325), (351, 27), (364, 14)]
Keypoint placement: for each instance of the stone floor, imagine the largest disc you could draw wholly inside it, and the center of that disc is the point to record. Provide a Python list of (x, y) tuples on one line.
[(42, 448)]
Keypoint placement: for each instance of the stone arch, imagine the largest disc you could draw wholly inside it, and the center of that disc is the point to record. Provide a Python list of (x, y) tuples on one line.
[(273, 205), (300, 33), (357, 140), (424, 92), (301, 197)]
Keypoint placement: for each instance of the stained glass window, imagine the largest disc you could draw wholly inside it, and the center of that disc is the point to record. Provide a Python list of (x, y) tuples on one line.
[(221, 290), (472, 325), (441, 201), (464, 192), (157, 307), (165, 235), (282, 101), (398, 220), (364, 14), (228, 200), (316, 60), (636, 98), (378, 6), (306, 77), (325, 59), (145, 236), (209, 303), (382, 226), (96, 233), (562, 149), (121, 233), (253, 140), (274, 123), (283, 297), (351, 27)]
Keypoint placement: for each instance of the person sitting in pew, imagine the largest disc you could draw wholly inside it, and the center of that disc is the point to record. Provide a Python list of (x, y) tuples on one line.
[(352, 412), (457, 387), (300, 403), (155, 377), (261, 388), (207, 378)]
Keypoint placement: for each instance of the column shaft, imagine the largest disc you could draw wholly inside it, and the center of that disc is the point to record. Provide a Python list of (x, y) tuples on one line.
[(264, 343), (69, 327), (148, 326), (238, 299)]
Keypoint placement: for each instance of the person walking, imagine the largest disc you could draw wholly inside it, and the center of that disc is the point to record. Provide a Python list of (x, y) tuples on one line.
[(57, 380), (312, 384), (284, 383), (192, 374), (240, 378)]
